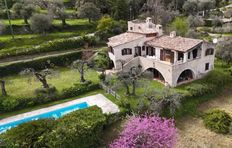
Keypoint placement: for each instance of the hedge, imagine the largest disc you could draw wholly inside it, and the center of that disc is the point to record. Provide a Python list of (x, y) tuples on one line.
[(78, 89), (28, 134), (9, 103), (56, 45), (79, 129), (40, 63)]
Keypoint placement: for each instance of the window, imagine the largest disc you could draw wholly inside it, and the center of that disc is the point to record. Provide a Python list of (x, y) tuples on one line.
[(143, 48), (189, 55), (180, 56), (150, 51), (131, 28), (139, 27), (206, 66), (195, 51), (126, 51), (209, 51)]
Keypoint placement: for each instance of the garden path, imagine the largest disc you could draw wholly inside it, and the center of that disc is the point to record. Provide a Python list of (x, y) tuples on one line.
[(193, 134)]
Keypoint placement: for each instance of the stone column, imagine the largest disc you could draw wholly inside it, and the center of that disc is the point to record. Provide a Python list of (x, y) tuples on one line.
[(175, 57), (185, 57), (157, 53)]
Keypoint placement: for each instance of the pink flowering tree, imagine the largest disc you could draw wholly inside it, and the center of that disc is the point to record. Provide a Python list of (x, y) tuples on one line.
[(147, 132)]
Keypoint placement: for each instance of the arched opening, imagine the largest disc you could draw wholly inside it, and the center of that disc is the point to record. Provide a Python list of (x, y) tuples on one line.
[(185, 76), (209, 51), (111, 65), (156, 74)]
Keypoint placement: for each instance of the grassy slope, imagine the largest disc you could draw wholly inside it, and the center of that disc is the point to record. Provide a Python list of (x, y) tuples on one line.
[(76, 27)]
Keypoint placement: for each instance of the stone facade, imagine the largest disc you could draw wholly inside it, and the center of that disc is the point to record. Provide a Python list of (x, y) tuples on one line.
[(173, 60)]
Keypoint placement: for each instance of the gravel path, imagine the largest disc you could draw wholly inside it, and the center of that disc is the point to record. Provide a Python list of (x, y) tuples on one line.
[(193, 134)]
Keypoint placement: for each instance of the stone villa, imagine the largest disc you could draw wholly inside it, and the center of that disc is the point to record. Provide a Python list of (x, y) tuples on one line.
[(172, 59)]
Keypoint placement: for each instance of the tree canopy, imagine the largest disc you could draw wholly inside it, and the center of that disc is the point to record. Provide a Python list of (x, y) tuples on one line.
[(148, 131), (40, 23), (90, 11), (24, 9)]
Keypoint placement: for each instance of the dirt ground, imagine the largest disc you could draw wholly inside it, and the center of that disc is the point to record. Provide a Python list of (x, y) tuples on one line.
[(193, 134)]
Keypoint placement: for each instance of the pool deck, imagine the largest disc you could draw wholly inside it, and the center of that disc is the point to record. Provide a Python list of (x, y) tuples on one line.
[(101, 101)]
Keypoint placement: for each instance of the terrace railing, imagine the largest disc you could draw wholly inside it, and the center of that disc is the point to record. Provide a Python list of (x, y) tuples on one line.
[(109, 91)]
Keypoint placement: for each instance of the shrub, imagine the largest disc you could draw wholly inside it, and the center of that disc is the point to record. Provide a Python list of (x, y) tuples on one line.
[(28, 134), (55, 45), (124, 103), (147, 131), (196, 89), (78, 89), (40, 63), (217, 121), (211, 83), (78, 129), (9, 104), (46, 93), (40, 23)]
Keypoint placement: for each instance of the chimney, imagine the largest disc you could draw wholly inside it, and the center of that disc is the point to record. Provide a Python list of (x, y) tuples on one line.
[(173, 34), (149, 22)]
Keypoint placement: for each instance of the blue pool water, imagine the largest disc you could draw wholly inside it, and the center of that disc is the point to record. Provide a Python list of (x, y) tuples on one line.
[(52, 114)]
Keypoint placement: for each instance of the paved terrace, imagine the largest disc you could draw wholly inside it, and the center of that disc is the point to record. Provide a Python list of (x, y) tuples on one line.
[(101, 101)]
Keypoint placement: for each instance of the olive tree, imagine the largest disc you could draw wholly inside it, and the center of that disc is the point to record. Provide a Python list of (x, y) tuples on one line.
[(224, 51), (191, 7), (131, 79), (195, 21), (161, 100), (57, 9), (24, 9), (41, 76), (206, 5), (40, 23), (90, 11), (81, 66)]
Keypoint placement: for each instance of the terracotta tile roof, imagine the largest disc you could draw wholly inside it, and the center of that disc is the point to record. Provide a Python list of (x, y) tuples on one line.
[(123, 38), (175, 43)]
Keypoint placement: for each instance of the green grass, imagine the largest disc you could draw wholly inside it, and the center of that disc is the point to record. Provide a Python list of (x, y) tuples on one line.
[(24, 86), (68, 11), (20, 22), (72, 22)]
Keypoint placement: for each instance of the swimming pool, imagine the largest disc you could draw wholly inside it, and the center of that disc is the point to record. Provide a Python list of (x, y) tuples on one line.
[(51, 114)]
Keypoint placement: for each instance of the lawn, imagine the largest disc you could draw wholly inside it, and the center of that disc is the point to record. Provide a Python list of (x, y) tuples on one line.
[(24, 86)]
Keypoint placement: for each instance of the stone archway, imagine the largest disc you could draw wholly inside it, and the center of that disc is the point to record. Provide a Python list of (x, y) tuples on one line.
[(185, 76), (157, 75)]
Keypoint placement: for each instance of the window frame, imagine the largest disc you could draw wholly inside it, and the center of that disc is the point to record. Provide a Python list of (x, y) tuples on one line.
[(126, 51), (209, 51), (207, 65)]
